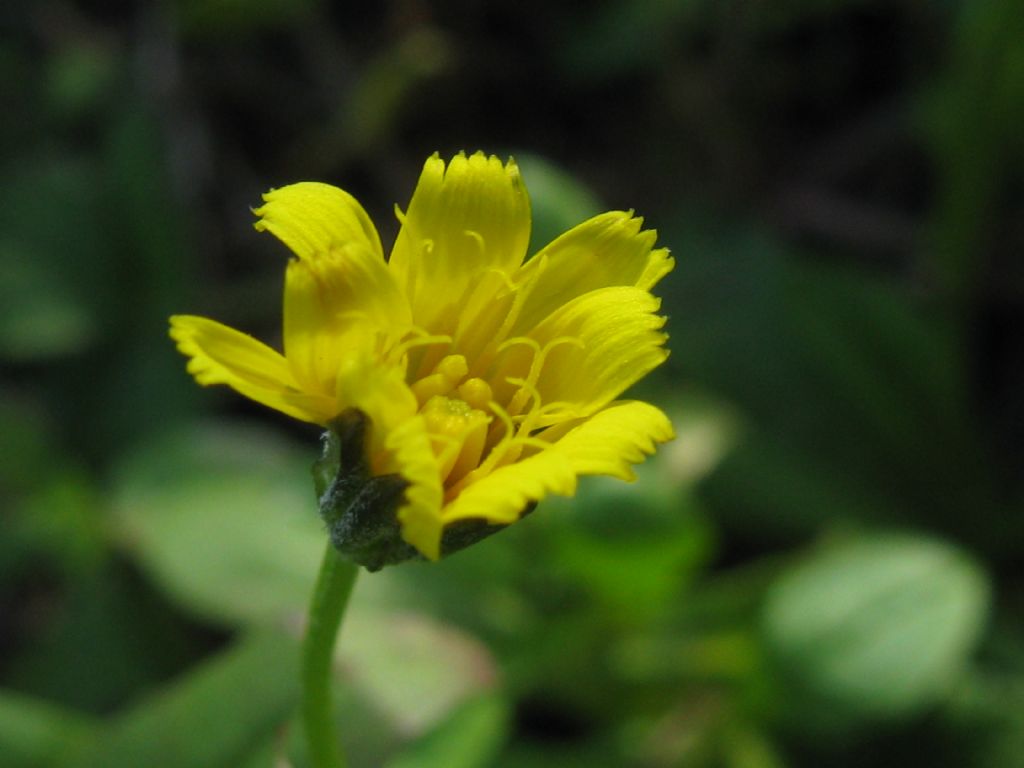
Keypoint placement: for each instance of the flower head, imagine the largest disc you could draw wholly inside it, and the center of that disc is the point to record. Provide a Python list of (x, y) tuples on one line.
[(485, 382)]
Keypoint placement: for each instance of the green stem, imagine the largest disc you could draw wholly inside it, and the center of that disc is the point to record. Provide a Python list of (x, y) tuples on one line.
[(330, 598)]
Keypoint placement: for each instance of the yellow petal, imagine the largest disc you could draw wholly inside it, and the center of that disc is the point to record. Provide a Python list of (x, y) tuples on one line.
[(596, 346), (462, 221), (607, 443), (613, 439), (398, 439), (222, 355), (607, 250), (313, 218), (310, 346), (367, 381), (502, 496), (324, 297), (413, 458)]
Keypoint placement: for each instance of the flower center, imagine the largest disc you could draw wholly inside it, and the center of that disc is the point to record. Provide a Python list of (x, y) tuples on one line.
[(458, 433), (455, 410)]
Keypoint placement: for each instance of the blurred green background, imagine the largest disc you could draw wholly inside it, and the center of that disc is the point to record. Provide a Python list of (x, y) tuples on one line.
[(824, 569)]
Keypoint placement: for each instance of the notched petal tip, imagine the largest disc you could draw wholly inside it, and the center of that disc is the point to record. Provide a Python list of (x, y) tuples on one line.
[(311, 218), (475, 163), (175, 325), (185, 331), (478, 193), (434, 168), (183, 335), (608, 250), (615, 439), (659, 264)]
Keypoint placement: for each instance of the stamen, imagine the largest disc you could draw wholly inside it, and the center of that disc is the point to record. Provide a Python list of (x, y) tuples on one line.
[(524, 386), (510, 285), (540, 415), (532, 442), (550, 414), (429, 387), (548, 408), (417, 350), (447, 374), (513, 357), (506, 420), (481, 310), (453, 368), (507, 451), (519, 399), (476, 392), (352, 317), (519, 341), (477, 238), (522, 292), (422, 340)]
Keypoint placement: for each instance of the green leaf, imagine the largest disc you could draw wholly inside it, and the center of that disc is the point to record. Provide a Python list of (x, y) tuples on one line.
[(879, 627), (471, 737), (630, 545), (224, 520), (33, 733), (413, 669), (211, 719), (743, 746)]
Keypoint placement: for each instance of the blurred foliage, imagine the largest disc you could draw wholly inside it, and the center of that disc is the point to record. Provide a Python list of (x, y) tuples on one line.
[(822, 570), (874, 629)]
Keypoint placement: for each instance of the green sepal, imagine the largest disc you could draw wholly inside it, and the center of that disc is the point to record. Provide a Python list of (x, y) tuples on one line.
[(463, 533), (360, 510)]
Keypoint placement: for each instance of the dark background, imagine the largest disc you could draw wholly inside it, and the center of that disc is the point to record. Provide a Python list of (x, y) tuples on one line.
[(824, 569)]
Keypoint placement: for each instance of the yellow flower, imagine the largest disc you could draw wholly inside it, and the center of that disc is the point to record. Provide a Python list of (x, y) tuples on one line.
[(487, 382)]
